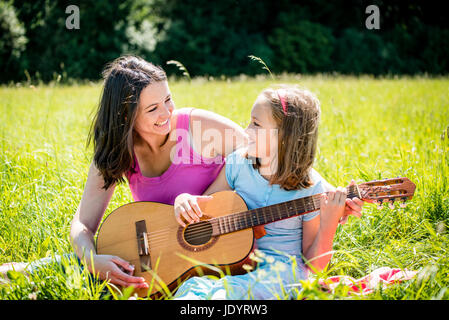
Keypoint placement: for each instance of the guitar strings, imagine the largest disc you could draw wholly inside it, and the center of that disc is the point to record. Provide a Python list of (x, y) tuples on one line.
[(161, 242), (155, 238), (200, 231), (161, 236), (230, 226), (238, 219)]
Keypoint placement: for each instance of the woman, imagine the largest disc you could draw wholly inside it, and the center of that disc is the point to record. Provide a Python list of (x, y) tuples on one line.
[(135, 135)]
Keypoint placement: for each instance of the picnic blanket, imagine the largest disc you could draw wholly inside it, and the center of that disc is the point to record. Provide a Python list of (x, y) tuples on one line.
[(382, 276)]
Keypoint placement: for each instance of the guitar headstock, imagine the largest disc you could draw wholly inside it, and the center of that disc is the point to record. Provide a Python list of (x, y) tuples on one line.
[(387, 191)]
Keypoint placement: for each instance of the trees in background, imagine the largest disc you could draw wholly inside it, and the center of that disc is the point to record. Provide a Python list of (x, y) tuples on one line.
[(216, 37)]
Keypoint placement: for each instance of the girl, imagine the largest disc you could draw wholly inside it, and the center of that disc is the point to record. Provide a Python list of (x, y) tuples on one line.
[(275, 167)]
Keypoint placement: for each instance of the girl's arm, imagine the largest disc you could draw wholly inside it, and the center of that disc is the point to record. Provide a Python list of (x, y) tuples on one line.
[(186, 205), (318, 234)]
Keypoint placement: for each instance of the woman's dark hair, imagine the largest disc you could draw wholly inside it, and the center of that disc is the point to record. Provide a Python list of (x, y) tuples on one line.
[(112, 126)]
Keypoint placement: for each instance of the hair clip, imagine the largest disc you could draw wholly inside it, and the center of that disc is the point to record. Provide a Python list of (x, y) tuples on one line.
[(284, 104)]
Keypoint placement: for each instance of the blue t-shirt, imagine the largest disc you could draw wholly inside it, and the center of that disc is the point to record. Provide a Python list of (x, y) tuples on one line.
[(284, 235)]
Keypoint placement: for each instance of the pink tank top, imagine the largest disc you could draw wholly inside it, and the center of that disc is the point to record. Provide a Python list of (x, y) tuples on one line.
[(189, 172)]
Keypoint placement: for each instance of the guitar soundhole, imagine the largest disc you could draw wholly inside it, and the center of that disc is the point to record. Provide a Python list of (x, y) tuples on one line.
[(198, 233), (197, 236)]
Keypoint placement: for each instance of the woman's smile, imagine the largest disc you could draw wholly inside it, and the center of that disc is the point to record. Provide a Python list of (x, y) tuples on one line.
[(162, 124)]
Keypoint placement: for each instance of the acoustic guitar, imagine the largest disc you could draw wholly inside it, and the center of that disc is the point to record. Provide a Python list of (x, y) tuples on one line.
[(147, 235)]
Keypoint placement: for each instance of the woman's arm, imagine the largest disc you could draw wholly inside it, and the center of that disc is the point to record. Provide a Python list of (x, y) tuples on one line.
[(91, 208), (220, 183), (216, 134)]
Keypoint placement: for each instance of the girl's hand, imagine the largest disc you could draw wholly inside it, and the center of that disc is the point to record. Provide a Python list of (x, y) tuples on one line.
[(186, 206), (332, 207), (117, 270), (353, 207)]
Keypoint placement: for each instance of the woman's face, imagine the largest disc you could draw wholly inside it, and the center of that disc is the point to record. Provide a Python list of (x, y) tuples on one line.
[(154, 110), (262, 131)]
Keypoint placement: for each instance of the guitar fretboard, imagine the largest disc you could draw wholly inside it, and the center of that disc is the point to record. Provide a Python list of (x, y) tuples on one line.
[(251, 218)]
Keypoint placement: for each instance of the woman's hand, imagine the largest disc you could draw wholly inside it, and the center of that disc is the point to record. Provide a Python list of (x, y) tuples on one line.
[(117, 270), (332, 207), (186, 206)]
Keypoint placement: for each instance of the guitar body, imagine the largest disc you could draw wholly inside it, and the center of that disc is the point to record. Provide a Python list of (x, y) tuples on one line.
[(169, 256)]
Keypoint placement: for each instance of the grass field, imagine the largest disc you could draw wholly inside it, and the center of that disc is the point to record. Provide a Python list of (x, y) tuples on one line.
[(370, 129)]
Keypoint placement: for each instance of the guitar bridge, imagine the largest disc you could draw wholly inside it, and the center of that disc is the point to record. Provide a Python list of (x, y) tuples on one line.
[(142, 245)]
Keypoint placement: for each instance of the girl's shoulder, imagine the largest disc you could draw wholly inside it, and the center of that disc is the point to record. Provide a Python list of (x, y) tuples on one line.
[(315, 176), (237, 168), (319, 183), (238, 157)]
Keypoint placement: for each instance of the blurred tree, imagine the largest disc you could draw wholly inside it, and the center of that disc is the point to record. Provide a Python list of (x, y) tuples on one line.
[(12, 41), (216, 38), (213, 38), (82, 53), (301, 46), (358, 52)]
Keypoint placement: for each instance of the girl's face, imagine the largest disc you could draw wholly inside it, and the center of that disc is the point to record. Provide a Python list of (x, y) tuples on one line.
[(154, 110), (262, 132)]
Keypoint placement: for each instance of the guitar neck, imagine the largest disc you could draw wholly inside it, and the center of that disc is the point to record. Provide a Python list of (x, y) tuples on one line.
[(251, 218)]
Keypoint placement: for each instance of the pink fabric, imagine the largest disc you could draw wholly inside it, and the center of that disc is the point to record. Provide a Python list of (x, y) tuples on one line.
[(368, 283), (189, 171)]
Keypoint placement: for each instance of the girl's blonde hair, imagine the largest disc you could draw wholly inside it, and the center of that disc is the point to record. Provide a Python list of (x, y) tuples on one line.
[(297, 135)]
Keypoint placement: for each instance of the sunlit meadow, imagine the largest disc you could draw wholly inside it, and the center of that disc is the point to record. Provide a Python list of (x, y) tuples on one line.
[(370, 129)]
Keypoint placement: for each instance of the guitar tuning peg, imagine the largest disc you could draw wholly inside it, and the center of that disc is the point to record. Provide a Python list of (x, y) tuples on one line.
[(391, 204), (379, 204), (403, 203)]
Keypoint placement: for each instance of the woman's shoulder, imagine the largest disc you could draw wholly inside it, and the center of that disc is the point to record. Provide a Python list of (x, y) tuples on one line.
[(202, 120), (183, 110), (196, 113), (212, 120)]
